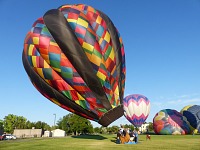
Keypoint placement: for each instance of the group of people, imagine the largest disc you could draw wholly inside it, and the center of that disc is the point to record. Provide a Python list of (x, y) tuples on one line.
[(126, 136)]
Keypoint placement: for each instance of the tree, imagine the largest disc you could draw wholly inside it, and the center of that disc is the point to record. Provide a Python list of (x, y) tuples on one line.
[(46, 126), (64, 124), (41, 125), (131, 127), (1, 125), (150, 126), (76, 124), (113, 129), (29, 125), (97, 130), (12, 122), (103, 130), (20, 122)]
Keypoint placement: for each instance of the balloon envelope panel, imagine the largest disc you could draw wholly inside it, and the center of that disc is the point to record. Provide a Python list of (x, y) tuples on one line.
[(74, 56), (136, 109), (169, 121), (192, 114)]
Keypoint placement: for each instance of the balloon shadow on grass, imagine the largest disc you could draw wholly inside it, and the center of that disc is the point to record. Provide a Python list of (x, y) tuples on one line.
[(93, 137), (114, 140)]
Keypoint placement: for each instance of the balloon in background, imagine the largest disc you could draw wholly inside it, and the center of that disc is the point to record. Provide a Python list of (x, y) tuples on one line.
[(192, 115), (74, 56), (136, 109), (169, 121)]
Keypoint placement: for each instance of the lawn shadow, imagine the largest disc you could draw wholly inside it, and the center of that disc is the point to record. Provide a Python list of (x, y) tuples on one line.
[(94, 137), (114, 140)]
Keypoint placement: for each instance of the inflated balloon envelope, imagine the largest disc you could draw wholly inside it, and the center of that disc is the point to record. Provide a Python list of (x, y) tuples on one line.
[(74, 56), (136, 109), (192, 116)]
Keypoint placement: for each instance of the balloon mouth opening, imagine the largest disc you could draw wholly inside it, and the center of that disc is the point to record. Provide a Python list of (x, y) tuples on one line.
[(111, 116)]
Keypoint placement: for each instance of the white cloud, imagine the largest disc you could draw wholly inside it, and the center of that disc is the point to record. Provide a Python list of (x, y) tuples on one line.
[(194, 100), (175, 101), (183, 99), (157, 104)]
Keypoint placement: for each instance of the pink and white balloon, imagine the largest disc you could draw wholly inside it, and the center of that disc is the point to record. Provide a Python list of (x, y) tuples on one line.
[(136, 109)]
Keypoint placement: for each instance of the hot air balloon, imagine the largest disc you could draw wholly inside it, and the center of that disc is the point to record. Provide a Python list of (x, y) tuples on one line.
[(74, 56), (192, 115), (136, 109), (169, 121)]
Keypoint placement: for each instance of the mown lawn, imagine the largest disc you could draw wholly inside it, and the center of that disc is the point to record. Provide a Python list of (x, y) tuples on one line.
[(104, 142)]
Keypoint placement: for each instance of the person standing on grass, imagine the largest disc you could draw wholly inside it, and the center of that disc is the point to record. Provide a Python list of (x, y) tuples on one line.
[(136, 136), (118, 137)]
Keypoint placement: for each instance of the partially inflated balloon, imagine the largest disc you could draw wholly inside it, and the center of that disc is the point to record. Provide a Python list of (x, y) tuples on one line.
[(169, 121), (136, 109), (192, 114), (74, 56)]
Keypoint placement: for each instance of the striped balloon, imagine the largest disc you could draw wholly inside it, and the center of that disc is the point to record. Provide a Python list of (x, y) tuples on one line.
[(136, 109)]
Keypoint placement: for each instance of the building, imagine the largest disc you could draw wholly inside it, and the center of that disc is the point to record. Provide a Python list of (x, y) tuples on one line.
[(144, 127), (58, 133), (27, 133), (47, 134)]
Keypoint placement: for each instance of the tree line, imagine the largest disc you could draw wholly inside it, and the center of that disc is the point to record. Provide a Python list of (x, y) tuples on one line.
[(11, 122), (71, 124)]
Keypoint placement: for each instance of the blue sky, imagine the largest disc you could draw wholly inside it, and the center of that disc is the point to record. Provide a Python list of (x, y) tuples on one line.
[(162, 48)]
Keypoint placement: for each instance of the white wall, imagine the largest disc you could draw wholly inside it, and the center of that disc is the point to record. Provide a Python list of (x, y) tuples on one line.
[(144, 127), (58, 133)]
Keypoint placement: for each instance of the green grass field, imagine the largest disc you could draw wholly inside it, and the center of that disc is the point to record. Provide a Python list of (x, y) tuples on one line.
[(104, 142)]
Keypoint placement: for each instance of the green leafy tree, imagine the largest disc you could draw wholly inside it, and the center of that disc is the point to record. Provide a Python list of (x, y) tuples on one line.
[(46, 127), (41, 125), (103, 130), (38, 125), (10, 123), (64, 124), (97, 130), (76, 124), (20, 122), (29, 125), (150, 126), (1, 125), (130, 127), (113, 129)]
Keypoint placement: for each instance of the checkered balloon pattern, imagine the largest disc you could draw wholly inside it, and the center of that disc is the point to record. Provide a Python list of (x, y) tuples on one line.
[(45, 59)]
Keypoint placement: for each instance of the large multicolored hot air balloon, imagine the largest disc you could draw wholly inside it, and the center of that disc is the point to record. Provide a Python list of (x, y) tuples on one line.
[(169, 121), (136, 109), (74, 56), (192, 115)]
